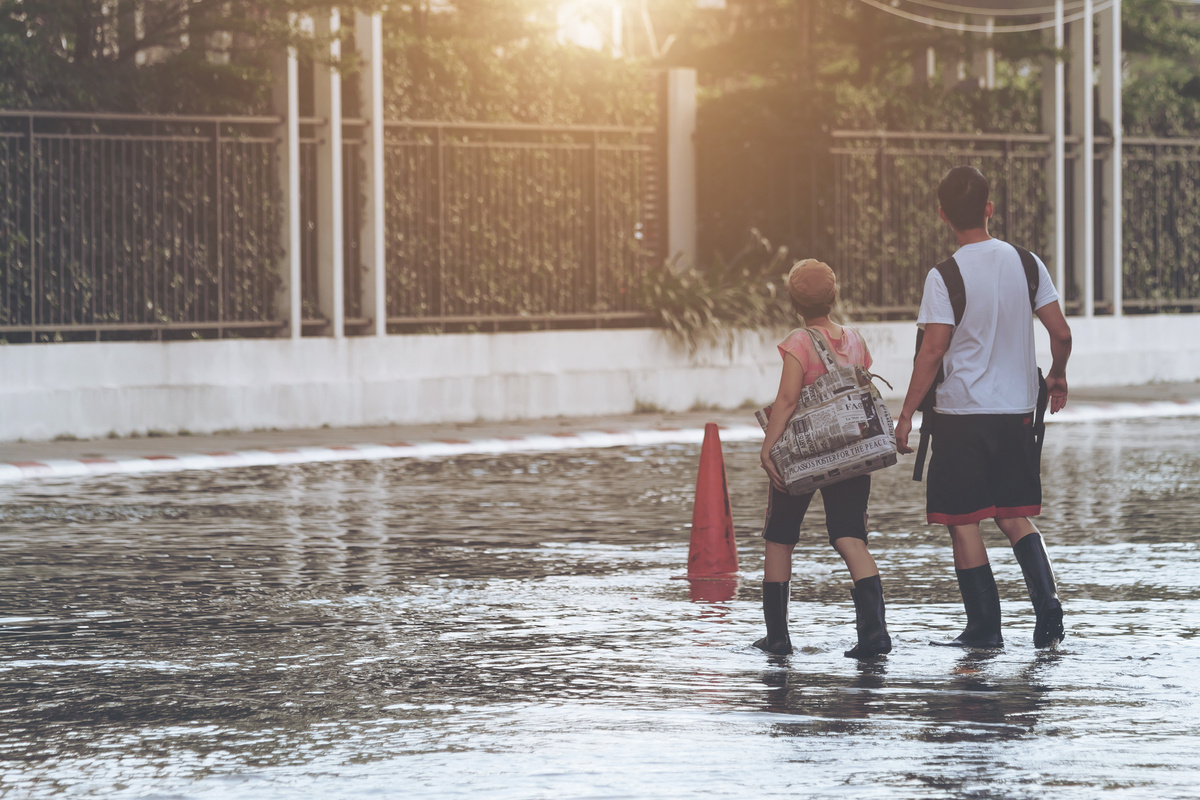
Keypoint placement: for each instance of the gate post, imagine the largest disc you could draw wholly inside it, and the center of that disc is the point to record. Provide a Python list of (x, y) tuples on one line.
[(1083, 126), (327, 105), (1054, 123), (286, 100), (680, 121), (369, 38), (1110, 109)]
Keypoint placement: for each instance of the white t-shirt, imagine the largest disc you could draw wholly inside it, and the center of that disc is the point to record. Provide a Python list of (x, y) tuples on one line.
[(991, 367)]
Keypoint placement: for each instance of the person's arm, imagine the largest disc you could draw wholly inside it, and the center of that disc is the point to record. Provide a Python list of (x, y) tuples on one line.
[(925, 368), (791, 382), (1052, 317)]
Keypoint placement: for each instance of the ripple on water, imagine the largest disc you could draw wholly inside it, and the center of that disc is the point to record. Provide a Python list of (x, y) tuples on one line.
[(509, 626)]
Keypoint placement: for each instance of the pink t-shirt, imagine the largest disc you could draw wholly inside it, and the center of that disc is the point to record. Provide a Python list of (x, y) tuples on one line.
[(848, 350)]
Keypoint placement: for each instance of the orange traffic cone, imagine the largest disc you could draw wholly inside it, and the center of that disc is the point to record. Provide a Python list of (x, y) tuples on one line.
[(713, 549)]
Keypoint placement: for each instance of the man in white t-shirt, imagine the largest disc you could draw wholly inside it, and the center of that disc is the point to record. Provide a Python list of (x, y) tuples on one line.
[(984, 461)]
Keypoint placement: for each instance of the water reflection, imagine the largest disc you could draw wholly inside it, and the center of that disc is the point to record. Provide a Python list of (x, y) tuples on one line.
[(369, 625), (792, 691), (713, 591)]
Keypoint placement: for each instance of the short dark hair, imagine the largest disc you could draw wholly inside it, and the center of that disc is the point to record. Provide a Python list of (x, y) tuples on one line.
[(963, 196), (813, 312)]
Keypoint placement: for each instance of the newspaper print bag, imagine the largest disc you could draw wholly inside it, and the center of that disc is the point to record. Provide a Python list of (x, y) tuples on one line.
[(840, 428)]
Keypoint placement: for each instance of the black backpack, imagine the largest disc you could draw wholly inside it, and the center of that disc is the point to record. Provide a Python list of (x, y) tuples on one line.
[(952, 277)]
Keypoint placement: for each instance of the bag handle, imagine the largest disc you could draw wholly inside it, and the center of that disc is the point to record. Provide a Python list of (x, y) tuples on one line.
[(823, 349)]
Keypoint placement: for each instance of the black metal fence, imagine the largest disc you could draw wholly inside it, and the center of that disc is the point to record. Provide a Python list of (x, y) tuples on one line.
[(884, 203), (115, 224), (119, 226), (866, 201), (499, 224), (1161, 230)]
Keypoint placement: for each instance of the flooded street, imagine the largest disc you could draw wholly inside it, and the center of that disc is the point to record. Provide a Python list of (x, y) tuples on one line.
[(509, 627)]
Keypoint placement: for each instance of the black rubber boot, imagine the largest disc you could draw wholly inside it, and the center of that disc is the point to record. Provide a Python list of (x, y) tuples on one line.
[(873, 639), (1039, 579), (981, 599), (775, 612)]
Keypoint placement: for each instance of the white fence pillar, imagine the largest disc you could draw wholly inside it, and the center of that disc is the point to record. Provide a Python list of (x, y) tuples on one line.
[(369, 38), (286, 101), (983, 60), (1054, 123), (327, 104), (681, 164), (1110, 110), (1083, 81)]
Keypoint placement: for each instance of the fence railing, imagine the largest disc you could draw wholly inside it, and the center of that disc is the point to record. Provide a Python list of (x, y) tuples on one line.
[(884, 203), (867, 201), (489, 224), (122, 224), (1161, 229)]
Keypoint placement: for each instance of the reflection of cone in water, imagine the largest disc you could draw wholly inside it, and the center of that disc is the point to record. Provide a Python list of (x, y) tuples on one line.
[(713, 550), (712, 590)]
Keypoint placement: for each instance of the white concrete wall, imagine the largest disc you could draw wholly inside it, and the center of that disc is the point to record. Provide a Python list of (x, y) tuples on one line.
[(91, 390)]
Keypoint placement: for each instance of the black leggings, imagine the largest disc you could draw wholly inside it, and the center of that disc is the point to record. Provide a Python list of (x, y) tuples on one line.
[(845, 511)]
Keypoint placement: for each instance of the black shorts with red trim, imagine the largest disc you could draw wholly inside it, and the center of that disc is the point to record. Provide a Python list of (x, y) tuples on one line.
[(983, 466), (845, 511)]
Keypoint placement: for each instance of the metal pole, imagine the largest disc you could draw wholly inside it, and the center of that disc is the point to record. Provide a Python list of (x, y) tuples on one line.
[(330, 199), (1157, 183), (441, 216), (218, 241), (883, 212), (1009, 226), (34, 272), (1087, 170), (369, 40), (596, 224), (1060, 158), (681, 164), (1110, 108), (287, 105), (812, 194)]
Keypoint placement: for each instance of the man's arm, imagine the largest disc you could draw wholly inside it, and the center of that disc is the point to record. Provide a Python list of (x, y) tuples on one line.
[(934, 345), (1052, 317)]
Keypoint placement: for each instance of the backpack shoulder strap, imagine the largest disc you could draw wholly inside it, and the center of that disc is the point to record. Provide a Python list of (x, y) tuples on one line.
[(1032, 279), (952, 277)]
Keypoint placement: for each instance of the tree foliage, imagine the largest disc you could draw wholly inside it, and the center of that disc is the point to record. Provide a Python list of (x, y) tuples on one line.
[(816, 63), (1161, 42), (502, 61), (494, 60), (148, 55), (712, 302)]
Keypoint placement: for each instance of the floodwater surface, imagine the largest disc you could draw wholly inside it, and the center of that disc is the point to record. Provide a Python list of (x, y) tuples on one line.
[(510, 627)]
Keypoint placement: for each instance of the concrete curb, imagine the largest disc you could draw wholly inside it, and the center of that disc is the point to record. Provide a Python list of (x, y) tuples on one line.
[(85, 467), (11, 472)]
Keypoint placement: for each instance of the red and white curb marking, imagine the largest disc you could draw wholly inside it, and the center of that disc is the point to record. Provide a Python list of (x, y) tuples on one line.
[(11, 472), (75, 468)]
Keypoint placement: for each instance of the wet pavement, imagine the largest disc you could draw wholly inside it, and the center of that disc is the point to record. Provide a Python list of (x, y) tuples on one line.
[(234, 440), (509, 626)]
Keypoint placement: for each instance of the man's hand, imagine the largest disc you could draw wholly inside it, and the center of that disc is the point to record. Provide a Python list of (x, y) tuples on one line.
[(903, 429), (1057, 385), (1060, 349), (772, 471)]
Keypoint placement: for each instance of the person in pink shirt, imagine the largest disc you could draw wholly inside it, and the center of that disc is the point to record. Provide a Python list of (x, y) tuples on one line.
[(812, 287)]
